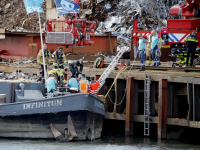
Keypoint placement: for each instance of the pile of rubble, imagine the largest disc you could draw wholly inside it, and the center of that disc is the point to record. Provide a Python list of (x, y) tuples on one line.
[(17, 75), (23, 62), (153, 14), (13, 17)]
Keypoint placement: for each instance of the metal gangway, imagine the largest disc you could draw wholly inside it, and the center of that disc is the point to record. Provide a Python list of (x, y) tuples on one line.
[(112, 65)]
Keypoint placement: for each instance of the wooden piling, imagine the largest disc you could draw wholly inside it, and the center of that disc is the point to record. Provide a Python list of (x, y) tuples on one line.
[(129, 106), (162, 109)]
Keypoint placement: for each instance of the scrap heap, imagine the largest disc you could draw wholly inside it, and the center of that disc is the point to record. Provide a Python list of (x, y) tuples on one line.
[(119, 20), (117, 17), (13, 17)]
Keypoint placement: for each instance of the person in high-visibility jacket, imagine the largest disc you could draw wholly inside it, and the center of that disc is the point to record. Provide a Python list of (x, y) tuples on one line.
[(47, 56), (94, 86), (59, 58), (83, 84), (58, 74), (191, 42)]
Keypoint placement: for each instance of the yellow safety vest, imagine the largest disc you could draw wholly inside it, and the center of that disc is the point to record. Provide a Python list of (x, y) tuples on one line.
[(58, 74), (59, 58), (40, 57)]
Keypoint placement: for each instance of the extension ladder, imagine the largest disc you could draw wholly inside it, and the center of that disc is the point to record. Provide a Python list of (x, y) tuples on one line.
[(147, 82), (112, 65)]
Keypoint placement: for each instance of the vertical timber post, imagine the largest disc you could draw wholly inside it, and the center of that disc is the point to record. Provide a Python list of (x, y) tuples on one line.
[(132, 50), (162, 109), (129, 106)]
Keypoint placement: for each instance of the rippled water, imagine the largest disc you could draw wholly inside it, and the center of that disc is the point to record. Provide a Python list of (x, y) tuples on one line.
[(105, 143)]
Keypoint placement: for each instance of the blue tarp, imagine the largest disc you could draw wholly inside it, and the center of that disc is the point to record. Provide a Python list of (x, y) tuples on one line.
[(33, 6), (66, 7)]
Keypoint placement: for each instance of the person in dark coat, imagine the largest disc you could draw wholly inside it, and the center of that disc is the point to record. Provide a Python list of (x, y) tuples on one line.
[(74, 68)]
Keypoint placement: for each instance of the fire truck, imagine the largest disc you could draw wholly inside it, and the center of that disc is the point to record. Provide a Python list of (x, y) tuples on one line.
[(177, 30), (72, 32)]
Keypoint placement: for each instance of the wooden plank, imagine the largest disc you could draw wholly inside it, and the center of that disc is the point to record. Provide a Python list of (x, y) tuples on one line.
[(178, 122), (2, 30), (109, 115), (170, 121), (194, 124), (140, 118)]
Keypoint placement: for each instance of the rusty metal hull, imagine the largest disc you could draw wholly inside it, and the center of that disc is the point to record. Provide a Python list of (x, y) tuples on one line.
[(72, 117), (37, 126)]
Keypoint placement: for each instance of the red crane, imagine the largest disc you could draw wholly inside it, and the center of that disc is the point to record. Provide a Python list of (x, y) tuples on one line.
[(177, 30), (72, 31)]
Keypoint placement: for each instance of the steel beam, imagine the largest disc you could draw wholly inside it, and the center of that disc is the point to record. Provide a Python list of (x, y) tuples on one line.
[(129, 107)]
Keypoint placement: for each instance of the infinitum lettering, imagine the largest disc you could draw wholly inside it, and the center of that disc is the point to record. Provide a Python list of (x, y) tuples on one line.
[(37, 105)]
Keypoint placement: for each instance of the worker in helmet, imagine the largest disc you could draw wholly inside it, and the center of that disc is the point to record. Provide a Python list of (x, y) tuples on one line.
[(83, 84), (74, 68), (59, 58), (191, 43), (47, 57), (58, 74)]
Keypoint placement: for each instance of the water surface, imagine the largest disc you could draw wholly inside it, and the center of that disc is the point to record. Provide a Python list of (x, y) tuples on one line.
[(105, 143)]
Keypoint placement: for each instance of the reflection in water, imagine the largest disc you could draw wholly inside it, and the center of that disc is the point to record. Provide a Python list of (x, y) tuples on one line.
[(105, 143)]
